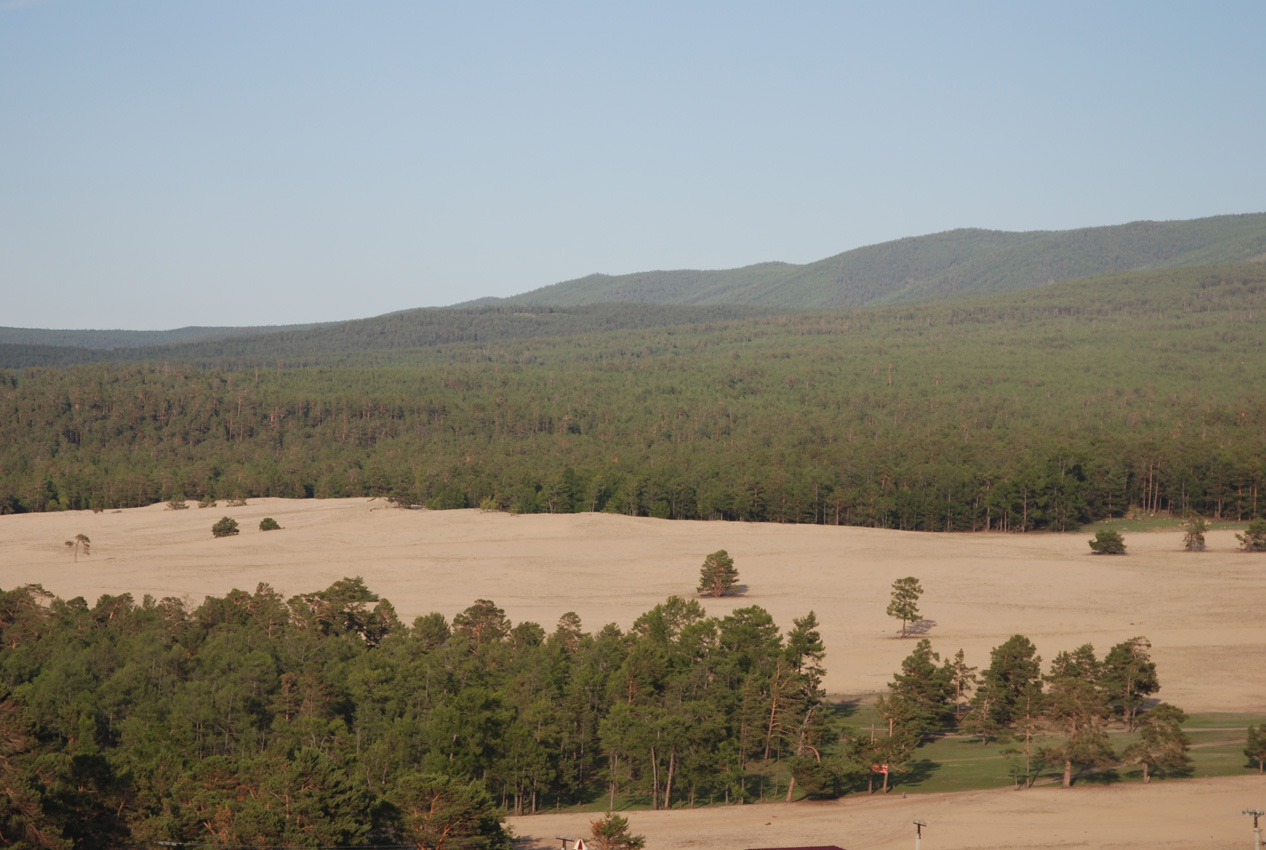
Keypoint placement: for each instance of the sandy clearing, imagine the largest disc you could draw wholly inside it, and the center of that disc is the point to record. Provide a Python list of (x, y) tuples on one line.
[(1200, 813), (1202, 612)]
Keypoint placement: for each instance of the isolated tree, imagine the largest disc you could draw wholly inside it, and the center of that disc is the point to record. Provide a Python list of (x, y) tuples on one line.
[(81, 543), (1254, 537), (611, 832), (226, 527), (177, 503), (1162, 745), (717, 576), (1107, 542), (905, 601), (1129, 677), (1255, 747), (268, 524), (1193, 536)]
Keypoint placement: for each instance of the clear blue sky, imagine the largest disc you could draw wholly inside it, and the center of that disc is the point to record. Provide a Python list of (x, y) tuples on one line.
[(263, 162)]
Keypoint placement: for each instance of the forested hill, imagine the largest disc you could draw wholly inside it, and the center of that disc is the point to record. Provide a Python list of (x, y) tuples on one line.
[(923, 267), (1045, 408), (108, 339), (390, 336)]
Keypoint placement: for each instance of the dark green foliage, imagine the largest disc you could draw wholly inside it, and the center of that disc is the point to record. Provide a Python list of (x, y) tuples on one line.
[(1254, 537), (224, 527), (717, 576), (905, 601), (322, 720), (1255, 746), (1075, 702), (1012, 679), (1107, 542), (269, 524), (1162, 745), (1129, 677), (931, 418), (438, 812), (920, 694)]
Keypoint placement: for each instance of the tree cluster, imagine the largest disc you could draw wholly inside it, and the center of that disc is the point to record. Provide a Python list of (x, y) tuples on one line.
[(322, 720), (1074, 702)]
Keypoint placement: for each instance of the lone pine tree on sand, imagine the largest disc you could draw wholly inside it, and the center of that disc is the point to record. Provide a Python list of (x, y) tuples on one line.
[(905, 601), (717, 577)]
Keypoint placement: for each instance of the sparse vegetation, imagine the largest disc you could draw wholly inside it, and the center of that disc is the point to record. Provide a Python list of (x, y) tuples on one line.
[(1254, 537), (905, 601), (611, 832), (1194, 529), (225, 527), (1107, 542), (81, 543)]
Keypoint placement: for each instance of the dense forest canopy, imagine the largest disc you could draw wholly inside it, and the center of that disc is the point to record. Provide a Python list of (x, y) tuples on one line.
[(1039, 409), (323, 721)]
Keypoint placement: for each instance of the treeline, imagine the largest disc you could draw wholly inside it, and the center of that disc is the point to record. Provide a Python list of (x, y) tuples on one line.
[(1035, 410), (322, 720)]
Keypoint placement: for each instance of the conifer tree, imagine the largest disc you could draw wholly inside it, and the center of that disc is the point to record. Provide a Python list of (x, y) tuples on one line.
[(905, 601), (717, 576)]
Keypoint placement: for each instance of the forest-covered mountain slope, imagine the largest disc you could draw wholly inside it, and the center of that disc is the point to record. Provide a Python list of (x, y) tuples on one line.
[(923, 267), (1043, 408), (109, 339), (394, 332)]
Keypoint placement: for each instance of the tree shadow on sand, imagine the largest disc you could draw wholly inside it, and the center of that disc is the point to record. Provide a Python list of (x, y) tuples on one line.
[(919, 628)]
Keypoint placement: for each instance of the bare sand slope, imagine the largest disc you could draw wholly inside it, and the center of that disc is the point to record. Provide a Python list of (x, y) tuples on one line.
[(1203, 813), (1202, 612)]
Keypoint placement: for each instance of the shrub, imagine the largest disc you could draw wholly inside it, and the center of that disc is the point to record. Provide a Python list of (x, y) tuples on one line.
[(207, 502), (226, 527), (1107, 542), (177, 504), (1193, 538), (268, 524), (1254, 537)]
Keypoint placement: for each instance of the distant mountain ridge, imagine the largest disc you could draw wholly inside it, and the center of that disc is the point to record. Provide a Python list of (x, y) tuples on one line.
[(111, 339), (922, 267)]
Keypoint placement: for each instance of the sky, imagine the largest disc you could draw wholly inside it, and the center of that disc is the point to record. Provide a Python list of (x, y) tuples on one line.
[(262, 162)]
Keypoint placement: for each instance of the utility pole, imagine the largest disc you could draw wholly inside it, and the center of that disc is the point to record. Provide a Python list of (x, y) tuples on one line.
[(918, 832), (1257, 831)]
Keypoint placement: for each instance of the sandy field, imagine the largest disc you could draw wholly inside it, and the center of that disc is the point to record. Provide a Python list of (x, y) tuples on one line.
[(1196, 813), (1202, 613)]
